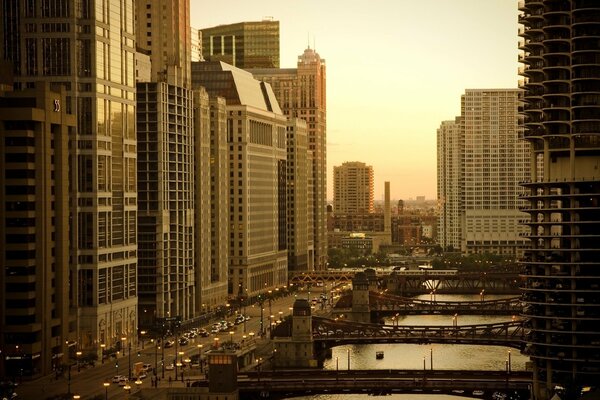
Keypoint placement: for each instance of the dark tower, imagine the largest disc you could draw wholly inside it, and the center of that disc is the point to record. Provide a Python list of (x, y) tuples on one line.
[(561, 78)]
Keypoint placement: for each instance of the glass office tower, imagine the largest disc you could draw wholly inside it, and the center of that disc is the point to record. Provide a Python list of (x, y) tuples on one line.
[(88, 47)]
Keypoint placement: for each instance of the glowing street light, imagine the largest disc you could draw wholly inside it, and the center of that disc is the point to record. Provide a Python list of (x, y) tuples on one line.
[(106, 385)]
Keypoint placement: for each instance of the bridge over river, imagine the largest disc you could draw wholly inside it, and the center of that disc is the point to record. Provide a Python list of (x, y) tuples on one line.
[(384, 304), (279, 384), (413, 282), (331, 332)]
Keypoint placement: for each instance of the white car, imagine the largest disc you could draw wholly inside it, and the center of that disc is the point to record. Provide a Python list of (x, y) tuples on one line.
[(169, 367), (123, 381), (117, 378)]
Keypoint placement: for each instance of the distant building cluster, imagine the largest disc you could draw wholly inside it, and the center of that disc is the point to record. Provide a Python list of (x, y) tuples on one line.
[(144, 185), (481, 161), (355, 222)]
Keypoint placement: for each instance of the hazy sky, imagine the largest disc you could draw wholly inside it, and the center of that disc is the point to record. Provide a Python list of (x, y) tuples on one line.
[(395, 70)]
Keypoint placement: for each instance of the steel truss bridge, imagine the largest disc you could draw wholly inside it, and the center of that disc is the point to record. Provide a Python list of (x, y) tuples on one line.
[(280, 384), (420, 282), (329, 333), (384, 304)]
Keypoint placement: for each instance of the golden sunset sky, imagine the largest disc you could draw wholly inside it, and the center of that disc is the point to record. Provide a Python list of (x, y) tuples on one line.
[(395, 70)]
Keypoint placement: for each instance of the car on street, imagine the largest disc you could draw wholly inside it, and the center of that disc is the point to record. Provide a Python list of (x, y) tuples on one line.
[(122, 381), (203, 332), (169, 367), (117, 378)]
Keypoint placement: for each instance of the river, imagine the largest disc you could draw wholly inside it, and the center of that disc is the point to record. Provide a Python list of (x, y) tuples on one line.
[(411, 356)]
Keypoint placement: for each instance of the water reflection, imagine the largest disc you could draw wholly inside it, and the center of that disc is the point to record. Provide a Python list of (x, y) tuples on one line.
[(413, 356)]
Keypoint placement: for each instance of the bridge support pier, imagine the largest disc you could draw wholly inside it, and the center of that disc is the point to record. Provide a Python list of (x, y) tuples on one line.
[(296, 350), (361, 311)]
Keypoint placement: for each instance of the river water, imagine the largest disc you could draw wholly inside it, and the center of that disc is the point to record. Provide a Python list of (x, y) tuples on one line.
[(411, 356)]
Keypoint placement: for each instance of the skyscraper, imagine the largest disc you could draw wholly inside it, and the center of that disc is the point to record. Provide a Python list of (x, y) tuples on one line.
[(34, 210), (166, 284), (211, 192), (301, 93), (299, 219), (561, 76), (170, 263), (481, 151), (89, 49), (353, 188), (244, 44), (257, 177), (449, 175), (163, 31)]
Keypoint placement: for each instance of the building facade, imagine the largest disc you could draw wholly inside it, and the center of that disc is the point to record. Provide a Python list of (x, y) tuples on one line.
[(163, 31), (36, 318), (256, 137), (561, 75), (353, 188), (301, 93), (449, 174), (244, 45), (211, 191), (90, 48), (299, 220), (166, 284), (491, 163)]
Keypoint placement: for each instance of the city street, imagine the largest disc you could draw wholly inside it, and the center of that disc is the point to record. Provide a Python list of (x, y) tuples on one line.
[(89, 381)]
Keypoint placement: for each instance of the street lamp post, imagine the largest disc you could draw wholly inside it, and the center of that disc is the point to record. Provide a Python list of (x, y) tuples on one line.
[(509, 362), (337, 367), (129, 359), (106, 385), (163, 356), (102, 347), (142, 333), (155, 356), (270, 294), (348, 353), (78, 354), (200, 357), (262, 311), (431, 357)]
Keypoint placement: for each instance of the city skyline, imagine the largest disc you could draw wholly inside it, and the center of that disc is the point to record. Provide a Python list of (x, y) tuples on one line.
[(449, 50)]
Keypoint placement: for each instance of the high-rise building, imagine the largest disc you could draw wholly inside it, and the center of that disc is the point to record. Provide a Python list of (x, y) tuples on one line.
[(257, 178), (561, 78), (299, 219), (353, 188), (449, 178), (491, 161), (301, 93), (34, 209), (166, 284), (244, 44), (169, 272), (163, 31), (89, 49), (211, 191)]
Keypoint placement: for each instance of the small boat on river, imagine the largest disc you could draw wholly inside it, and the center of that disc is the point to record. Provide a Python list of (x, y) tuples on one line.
[(379, 355)]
